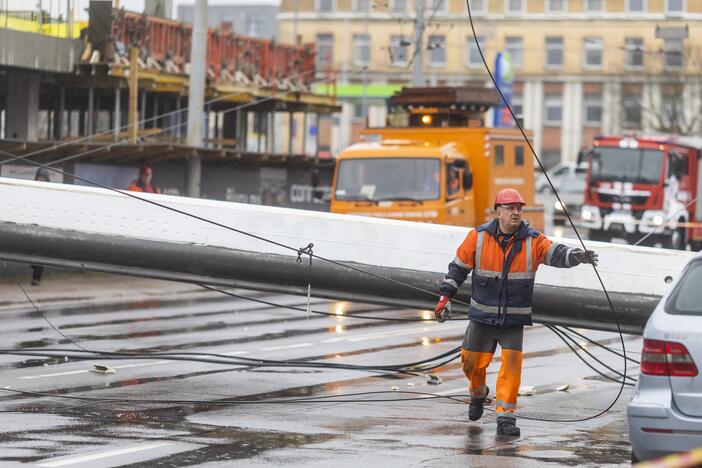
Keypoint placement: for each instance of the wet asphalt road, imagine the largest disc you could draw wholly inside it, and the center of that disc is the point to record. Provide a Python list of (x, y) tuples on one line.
[(54, 431)]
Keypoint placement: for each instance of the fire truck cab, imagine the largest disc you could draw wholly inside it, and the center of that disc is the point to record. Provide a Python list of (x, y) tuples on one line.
[(644, 185)]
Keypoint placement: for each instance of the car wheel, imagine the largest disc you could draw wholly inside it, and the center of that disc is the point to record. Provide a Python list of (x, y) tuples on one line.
[(634, 458)]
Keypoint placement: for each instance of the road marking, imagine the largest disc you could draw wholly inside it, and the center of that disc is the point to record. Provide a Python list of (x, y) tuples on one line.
[(97, 456), (411, 331), (126, 366), (449, 392), (299, 345), (85, 371)]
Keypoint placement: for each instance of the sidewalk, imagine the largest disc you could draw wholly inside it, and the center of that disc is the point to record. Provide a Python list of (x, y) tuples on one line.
[(92, 289)]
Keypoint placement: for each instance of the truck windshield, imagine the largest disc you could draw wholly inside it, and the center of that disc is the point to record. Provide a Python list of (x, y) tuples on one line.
[(379, 179), (627, 165)]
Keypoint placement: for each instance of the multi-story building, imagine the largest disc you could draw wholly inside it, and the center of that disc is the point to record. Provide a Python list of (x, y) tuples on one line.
[(582, 67), (255, 19)]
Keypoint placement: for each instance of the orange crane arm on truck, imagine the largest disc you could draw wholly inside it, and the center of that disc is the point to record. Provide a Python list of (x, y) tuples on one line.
[(434, 167)]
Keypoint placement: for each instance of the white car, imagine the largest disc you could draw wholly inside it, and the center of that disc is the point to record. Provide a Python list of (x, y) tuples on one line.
[(564, 174), (665, 411)]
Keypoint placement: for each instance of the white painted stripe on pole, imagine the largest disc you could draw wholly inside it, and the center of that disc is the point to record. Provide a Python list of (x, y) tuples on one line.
[(99, 455), (299, 345)]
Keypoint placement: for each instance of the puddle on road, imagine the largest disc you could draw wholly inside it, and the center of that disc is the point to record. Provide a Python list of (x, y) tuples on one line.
[(100, 427), (605, 445)]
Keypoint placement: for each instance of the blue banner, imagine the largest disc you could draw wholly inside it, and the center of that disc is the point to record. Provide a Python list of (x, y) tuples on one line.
[(504, 77)]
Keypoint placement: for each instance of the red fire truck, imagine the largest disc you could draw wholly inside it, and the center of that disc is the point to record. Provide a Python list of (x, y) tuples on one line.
[(644, 184)]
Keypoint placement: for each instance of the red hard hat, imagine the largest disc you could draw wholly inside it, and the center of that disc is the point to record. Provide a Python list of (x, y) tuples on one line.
[(508, 196), (145, 170)]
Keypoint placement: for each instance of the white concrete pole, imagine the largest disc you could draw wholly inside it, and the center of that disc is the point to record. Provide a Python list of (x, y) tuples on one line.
[(418, 62), (196, 96)]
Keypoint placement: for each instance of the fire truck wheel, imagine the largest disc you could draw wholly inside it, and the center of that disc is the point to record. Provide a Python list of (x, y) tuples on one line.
[(599, 236), (677, 239)]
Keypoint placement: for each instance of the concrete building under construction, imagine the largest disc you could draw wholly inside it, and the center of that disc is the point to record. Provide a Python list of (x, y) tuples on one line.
[(116, 97)]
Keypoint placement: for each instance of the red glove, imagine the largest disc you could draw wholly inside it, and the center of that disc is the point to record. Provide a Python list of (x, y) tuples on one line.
[(442, 311)]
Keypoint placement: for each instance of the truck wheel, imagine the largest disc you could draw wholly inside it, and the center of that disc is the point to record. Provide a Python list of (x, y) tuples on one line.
[(677, 239), (599, 236)]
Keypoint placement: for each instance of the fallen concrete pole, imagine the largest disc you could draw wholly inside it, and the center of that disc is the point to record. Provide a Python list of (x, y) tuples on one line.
[(99, 230)]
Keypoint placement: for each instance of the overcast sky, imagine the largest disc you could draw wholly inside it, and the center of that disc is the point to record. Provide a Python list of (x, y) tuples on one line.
[(59, 6)]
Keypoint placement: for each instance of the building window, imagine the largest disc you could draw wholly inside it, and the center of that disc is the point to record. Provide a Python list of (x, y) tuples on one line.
[(636, 6), (515, 7), (554, 110), (325, 50), (326, 6), (499, 155), (593, 53), (518, 155), (592, 110), (555, 6), (398, 50), (515, 48), (473, 59), (550, 158), (438, 6), (361, 6), (633, 52), (254, 24), (437, 51), (631, 110), (359, 112), (674, 7), (398, 6), (594, 6), (673, 51), (554, 52), (361, 49), (478, 6), (518, 106)]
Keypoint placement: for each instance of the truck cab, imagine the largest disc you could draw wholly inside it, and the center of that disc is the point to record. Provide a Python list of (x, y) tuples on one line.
[(435, 162), (404, 179)]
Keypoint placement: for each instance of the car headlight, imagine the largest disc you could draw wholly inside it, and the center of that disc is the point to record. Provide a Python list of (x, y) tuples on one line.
[(657, 220), (557, 205), (586, 214)]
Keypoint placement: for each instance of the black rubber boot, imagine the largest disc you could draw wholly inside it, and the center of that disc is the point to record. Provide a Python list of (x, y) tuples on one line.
[(475, 409), (507, 425)]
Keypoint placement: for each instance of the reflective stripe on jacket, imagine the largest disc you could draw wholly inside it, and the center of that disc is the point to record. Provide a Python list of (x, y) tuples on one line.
[(502, 282)]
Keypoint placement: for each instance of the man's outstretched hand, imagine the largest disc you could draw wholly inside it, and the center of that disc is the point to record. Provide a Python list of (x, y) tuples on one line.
[(586, 256)]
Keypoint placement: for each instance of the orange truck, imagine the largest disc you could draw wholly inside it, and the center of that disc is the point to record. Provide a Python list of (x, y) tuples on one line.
[(436, 164)]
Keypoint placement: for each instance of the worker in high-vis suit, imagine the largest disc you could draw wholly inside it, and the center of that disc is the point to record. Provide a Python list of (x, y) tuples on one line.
[(502, 256)]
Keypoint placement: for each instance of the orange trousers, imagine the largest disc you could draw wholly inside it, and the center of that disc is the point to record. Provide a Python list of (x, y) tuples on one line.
[(509, 377)]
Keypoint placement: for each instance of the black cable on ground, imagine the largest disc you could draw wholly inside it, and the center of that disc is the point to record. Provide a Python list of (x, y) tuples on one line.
[(568, 340), (570, 220), (213, 358), (568, 330), (318, 312), (326, 399)]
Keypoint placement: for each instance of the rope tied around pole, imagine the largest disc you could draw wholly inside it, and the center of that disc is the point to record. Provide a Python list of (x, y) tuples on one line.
[(307, 251)]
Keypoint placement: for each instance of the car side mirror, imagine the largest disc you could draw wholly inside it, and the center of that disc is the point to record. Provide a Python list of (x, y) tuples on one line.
[(467, 181)]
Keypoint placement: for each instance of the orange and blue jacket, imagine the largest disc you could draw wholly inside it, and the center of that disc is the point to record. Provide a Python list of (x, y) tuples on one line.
[(503, 272)]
